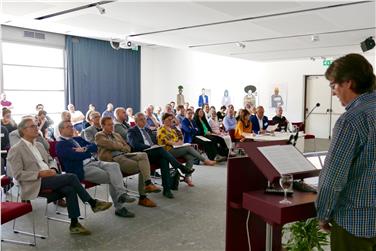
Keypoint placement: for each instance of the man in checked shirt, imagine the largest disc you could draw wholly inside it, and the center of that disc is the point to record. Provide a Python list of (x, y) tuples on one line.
[(346, 202)]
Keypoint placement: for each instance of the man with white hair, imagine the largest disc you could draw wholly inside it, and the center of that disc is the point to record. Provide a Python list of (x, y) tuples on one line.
[(109, 111)]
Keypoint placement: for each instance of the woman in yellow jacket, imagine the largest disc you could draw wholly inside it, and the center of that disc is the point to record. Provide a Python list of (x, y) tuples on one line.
[(243, 125), (170, 140)]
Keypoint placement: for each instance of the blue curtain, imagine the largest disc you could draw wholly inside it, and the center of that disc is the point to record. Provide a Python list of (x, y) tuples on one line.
[(97, 74)]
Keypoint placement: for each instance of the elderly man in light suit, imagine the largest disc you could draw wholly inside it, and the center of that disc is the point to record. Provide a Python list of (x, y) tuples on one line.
[(35, 170)]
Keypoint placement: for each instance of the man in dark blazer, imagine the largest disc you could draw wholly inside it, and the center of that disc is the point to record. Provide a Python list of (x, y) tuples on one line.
[(259, 121), (141, 138), (35, 170), (75, 155)]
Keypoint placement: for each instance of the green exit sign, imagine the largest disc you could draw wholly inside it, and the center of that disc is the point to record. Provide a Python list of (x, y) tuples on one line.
[(327, 62)]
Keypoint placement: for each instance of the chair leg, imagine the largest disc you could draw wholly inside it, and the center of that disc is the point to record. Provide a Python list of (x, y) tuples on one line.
[(33, 244), (34, 234)]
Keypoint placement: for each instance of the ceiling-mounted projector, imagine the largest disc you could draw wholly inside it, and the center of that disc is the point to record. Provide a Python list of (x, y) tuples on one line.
[(122, 44)]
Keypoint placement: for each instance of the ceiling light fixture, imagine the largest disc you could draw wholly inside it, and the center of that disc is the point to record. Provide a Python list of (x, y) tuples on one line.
[(100, 9), (240, 45)]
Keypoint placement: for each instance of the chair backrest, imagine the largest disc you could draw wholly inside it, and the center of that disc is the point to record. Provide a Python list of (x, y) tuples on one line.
[(300, 125)]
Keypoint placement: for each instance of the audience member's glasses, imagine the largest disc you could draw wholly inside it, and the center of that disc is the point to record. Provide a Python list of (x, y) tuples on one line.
[(70, 126)]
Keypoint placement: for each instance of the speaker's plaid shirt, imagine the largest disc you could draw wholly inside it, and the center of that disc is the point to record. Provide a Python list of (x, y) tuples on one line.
[(347, 183)]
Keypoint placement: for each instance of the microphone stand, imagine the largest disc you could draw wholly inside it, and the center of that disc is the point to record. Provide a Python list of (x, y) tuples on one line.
[(311, 112)]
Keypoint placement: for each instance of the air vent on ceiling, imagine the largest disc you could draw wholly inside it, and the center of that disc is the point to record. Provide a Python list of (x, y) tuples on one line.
[(32, 34)]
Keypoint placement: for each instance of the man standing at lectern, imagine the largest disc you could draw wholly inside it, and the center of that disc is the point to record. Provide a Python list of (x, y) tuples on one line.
[(346, 202)]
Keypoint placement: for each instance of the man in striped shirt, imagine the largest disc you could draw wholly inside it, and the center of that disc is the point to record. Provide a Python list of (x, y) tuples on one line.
[(346, 202)]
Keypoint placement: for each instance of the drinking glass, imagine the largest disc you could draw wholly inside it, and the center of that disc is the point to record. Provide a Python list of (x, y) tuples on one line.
[(285, 182)]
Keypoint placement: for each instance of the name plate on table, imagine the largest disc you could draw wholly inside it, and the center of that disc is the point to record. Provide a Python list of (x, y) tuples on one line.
[(286, 159)]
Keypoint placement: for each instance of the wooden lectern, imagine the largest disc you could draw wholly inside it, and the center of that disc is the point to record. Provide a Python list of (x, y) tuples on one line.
[(247, 178)]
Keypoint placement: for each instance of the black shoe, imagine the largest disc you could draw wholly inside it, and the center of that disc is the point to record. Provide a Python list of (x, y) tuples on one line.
[(186, 170), (155, 174), (168, 194), (123, 212), (125, 198)]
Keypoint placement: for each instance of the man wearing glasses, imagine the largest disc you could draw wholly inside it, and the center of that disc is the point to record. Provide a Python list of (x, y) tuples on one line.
[(346, 202)]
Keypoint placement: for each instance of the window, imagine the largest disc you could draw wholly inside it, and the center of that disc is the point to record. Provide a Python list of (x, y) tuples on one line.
[(33, 74)]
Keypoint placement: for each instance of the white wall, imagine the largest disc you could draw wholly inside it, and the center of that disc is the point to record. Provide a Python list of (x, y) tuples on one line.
[(163, 69)]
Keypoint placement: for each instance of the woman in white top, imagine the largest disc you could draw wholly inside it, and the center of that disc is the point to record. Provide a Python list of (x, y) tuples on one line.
[(215, 126)]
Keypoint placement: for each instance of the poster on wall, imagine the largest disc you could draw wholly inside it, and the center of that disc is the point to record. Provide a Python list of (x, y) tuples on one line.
[(204, 97), (278, 95), (251, 97)]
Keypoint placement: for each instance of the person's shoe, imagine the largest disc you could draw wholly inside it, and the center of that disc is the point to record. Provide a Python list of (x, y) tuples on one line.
[(209, 162), (151, 188), (156, 174), (101, 206), (146, 202), (168, 194), (61, 203), (232, 154), (186, 170), (220, 158), (123, 212), (125, 198), (79, 229), (189, 182)]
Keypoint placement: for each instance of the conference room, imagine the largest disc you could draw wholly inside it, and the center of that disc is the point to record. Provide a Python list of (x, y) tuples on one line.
[(237, 105)]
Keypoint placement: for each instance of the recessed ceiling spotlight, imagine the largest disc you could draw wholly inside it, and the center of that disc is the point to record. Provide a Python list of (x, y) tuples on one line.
[(312, 58), (315, 38), (100, 9), (240, 45)]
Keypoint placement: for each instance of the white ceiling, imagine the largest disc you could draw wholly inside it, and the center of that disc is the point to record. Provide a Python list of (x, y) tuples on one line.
[(268, 32)]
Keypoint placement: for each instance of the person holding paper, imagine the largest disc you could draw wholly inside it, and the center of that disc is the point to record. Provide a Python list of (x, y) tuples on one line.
[(112, 148), (346, 201), (259, 121), (205, 130), (243, 125), (141, 138), (169, 139), (280, 120)]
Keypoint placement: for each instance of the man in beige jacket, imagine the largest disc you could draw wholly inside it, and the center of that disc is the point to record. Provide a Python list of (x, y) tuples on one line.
[(35, 170), (112, 147)]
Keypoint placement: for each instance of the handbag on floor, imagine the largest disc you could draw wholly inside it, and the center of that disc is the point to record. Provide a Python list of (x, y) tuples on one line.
[(175, 179)]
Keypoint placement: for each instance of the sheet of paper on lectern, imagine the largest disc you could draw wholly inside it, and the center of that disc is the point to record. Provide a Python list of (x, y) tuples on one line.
[(286, 159)]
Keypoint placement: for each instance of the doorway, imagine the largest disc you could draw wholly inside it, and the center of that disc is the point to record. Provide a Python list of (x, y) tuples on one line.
[(321, 107)]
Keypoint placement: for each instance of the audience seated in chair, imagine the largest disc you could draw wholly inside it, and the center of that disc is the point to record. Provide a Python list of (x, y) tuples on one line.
[(141, 138), (89, 133), (75, 155), (259, 121), (121, 126), (244, 125), (151, 121), (217, 144), (7, 120), (169, 139), (216, 128), (280, 120), (109, 112), (77, 118), (35, 171), (229, 121), (112, 148)]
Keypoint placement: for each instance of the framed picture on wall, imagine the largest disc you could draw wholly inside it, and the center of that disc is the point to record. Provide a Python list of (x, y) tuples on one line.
[(278, 95)]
